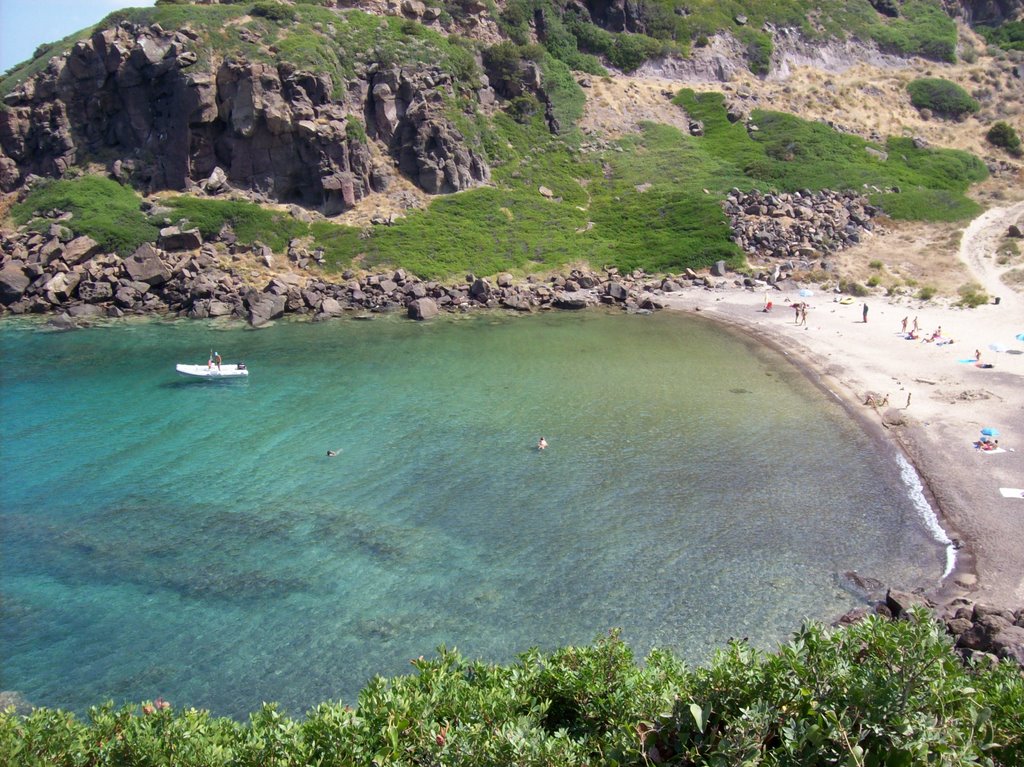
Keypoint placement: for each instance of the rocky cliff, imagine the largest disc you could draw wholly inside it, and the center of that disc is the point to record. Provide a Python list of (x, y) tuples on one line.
[(135, 97)]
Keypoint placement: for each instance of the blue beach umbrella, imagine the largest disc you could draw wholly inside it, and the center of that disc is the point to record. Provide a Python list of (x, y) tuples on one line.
[(1020, 336), (988, 431)]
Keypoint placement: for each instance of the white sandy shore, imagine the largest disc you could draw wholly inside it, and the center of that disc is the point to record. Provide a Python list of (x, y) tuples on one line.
[(950, 401)]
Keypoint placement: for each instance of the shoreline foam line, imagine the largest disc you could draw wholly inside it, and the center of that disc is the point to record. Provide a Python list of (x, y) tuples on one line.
[(915, 490)]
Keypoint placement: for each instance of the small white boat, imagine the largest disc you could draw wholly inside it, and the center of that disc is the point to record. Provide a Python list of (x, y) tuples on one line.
[(214, 371)]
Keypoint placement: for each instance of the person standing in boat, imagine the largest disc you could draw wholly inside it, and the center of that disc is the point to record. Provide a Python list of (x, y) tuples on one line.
[(216, 358)]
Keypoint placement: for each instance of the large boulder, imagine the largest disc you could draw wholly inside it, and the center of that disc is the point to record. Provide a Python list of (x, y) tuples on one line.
[(145, 265), (13, 283), (80, 250), (95, 291), (900, 602), (266, 307), (423, 309), (175, 238), (59, 288)]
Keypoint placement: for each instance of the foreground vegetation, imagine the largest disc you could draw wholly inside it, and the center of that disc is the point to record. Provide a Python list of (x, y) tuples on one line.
[(876, 693)]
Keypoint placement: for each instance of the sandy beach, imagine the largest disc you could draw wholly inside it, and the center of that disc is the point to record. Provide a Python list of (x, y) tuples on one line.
[(938, 398)]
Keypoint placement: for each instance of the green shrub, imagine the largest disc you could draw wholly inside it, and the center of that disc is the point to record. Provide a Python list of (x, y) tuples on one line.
[(876, 693), (355, 131), (630, 51), (943, 97), (853, 288), (273, 10), (1003, 135), (927, 293), (1009, 36), (249, 221), (874, 281), (100, 208), (875, 264), (759, 51), (972, 295)]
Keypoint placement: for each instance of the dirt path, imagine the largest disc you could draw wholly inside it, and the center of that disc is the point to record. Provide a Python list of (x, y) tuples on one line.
[(977, 251)]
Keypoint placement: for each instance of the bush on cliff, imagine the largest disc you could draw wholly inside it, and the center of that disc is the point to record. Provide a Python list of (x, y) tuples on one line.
[(876, 693)]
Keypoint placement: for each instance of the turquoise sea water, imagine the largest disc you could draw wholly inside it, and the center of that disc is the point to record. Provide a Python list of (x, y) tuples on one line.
[(176, 538)]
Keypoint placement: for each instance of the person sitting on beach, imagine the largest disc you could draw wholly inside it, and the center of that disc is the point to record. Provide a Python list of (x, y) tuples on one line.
[(542, 444), (870, 400), (989, 445)]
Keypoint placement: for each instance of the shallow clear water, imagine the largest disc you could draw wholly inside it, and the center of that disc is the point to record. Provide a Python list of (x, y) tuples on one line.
[(192, 540)]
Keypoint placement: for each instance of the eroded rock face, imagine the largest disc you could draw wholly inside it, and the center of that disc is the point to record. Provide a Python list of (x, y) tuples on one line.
[(269, 128), (405, 110)]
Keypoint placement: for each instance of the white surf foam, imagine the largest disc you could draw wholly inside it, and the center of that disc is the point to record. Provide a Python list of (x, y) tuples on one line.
[(916, 492)]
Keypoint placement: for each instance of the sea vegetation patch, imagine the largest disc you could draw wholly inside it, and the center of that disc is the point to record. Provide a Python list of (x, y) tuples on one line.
[(879, 692)]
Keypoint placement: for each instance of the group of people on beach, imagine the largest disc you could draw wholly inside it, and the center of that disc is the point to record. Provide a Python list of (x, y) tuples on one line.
[(913, 334), (800, 307)]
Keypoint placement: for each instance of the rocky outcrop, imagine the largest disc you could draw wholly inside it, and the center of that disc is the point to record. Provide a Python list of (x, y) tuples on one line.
[(991, 12), (984, 630), (802, 225), (134, 93), (405, 110), (43, 275), (979, 631)]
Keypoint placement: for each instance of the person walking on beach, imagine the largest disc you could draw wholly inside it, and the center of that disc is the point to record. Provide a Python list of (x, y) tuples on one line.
[(915, 326), (903, 327), (796, 312), (864, 313)]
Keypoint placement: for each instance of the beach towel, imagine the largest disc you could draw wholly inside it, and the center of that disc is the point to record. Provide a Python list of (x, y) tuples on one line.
[(995, 450), (1011, 492), (967, 360)]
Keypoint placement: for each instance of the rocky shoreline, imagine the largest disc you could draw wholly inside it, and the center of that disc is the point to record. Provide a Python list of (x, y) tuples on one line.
[(185, 274), (980, 632)]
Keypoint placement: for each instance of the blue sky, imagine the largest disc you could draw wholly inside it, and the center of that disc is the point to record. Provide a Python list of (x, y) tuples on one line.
[(24, 24)]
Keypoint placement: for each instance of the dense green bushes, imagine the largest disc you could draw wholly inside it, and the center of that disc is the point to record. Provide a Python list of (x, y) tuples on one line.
[(789, 153), (1003, 135), (101, 208), (877, 693), (943, 97), (654, 205), (1009, 35)]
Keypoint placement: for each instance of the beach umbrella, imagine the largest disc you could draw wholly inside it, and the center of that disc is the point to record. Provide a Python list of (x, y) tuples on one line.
[(1020, 336), (805, 293), (988, 431), (997, 347)]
